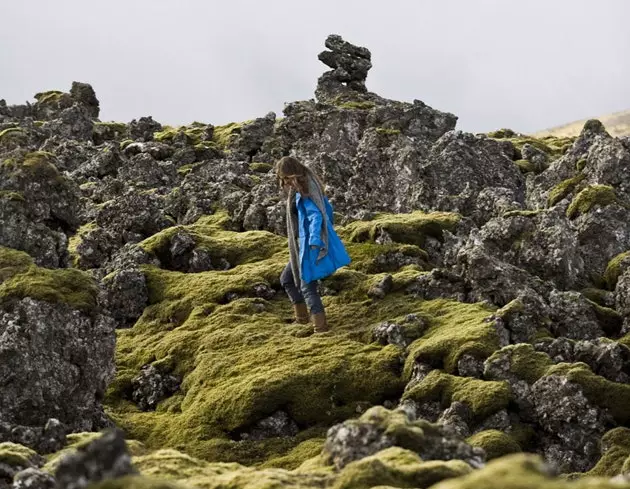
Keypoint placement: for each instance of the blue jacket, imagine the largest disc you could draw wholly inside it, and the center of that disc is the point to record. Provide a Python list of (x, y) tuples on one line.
[(310, 224)]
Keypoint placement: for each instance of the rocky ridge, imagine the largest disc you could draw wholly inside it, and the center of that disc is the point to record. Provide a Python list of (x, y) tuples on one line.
[(485, 313)]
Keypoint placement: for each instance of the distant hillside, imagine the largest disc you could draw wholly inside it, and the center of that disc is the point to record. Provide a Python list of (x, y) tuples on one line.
[(617, 124)]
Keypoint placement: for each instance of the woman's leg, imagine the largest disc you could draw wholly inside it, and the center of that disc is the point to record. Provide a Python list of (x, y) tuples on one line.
[(297, 299), (288, 284), (313, 300)]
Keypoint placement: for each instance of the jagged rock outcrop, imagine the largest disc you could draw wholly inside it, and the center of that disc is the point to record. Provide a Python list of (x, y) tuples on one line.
[(56, 363)]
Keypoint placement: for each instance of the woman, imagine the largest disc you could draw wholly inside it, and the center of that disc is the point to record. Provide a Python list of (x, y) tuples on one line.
[(315, 249)]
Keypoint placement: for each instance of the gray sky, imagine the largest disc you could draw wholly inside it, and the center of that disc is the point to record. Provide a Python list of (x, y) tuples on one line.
[(522, 64)]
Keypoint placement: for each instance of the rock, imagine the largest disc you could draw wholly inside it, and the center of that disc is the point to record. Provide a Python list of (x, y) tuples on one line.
[(143, 171), (350, 65), (573, 316), (143, 128), (470, 366), (383, 287), (536, 156), (48, 438), (105, 458), (605, 357), (68, 357), (574, 426), (265, 291), (151, 387), (401, 335), (33, 478), (278, 425), (85, 95), (379, 428), (124, 295), (457, 418)]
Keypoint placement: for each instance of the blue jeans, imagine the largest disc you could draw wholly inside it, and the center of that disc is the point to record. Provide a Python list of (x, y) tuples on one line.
[(308, 292)]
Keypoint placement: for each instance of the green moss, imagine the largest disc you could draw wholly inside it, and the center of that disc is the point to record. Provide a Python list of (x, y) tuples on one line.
[(193, 133), (224, 135), (366, 257), (454, 329), (502, 134), (125, 143), (211, 236), (600, 195), (11, 132), (525, 362), (523, 213), (483, 397), (581, 164), (411, 228), (11, 195), (526, 166), (615, 452), (304, 451), (16, 455), (598, 296), (396, 467), (600, 391), (357, 105), (495, 443), (563, 189), (552, 146), (116, 129), (135, 482), (49, 97), (21, 278), (387, 132), (13, 262), (614, 269), (260, 167), (76, 240), (522, 471)]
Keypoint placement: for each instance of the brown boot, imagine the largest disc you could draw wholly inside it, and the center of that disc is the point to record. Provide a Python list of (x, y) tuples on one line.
[(301, 313), (320, 324)]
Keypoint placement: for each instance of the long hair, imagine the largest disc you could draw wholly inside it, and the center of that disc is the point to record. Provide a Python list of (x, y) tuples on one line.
[(290, 170)]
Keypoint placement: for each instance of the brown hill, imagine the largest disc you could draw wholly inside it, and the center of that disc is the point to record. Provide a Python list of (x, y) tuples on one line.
[(617, 124)]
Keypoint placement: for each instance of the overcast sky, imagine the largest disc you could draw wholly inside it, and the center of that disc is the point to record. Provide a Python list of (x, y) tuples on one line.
[(522, 64)]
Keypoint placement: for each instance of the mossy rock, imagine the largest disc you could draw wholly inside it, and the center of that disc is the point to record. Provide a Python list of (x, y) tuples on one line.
[(20, 278), (607, 394), (454, 329), (615, 268), (224, 136), (482, 396), (495, 443), (257, 167), (16, 455), (13, 133), (384, 131), (523, 471), (526, 166), (502, 134), (413, 228), (194, 133), (49, 97), (358, 105), (523, 213), (525, 362), (397, 467), (591, 196), (564, 189), (210, 234), (615, 453)]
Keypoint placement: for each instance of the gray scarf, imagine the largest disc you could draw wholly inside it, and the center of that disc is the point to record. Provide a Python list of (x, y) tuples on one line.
[(316, 193)]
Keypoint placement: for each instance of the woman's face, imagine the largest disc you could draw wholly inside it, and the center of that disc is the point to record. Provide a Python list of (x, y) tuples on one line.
[(288, 183)]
